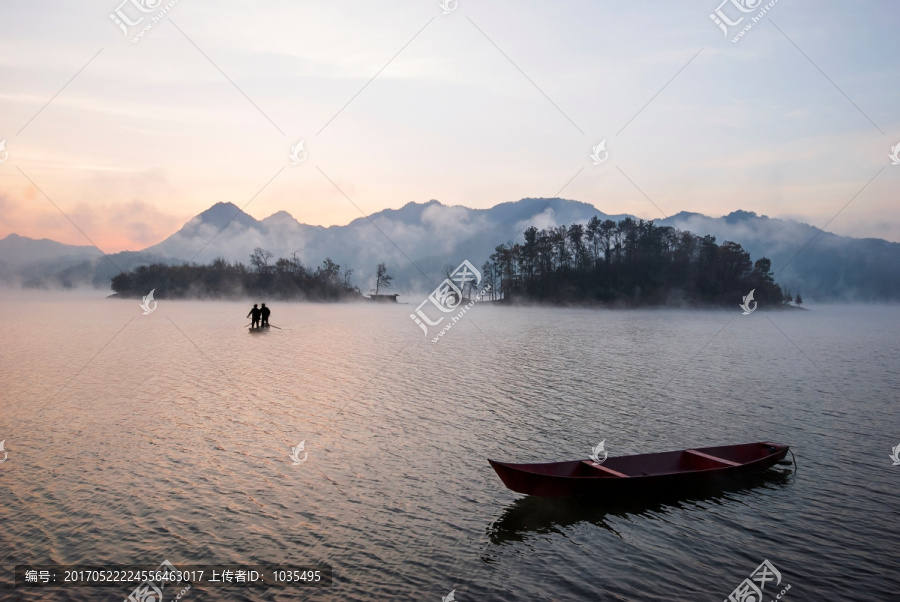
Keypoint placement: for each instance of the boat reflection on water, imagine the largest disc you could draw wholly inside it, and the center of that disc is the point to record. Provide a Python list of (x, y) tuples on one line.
[(535, 515)]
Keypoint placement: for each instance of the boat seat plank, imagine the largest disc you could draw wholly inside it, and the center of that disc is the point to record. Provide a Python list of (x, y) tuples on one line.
[(604, 469), (694, 452)]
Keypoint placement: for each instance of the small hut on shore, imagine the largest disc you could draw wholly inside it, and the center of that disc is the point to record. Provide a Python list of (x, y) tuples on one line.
[(382, 298)]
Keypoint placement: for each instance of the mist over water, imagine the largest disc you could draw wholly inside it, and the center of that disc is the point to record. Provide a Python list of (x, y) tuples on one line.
[(134, 439)]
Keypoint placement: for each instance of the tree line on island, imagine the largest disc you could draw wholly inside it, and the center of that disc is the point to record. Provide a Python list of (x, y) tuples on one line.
[(631, 262), (286, 278)]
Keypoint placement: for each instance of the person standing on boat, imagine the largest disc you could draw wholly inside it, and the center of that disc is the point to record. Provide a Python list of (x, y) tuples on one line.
[(254, 316), (265, 311)]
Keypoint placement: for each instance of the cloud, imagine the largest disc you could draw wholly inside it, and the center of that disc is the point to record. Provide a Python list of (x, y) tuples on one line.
[(543, 220), (112, 227)]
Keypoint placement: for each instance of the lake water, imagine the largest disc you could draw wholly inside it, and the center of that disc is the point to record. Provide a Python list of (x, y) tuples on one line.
[(134, 439)]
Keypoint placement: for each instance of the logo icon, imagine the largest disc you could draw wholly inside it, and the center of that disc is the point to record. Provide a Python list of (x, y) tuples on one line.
[(295, 154), (449, 597), (295, 453), (145, 592), (6, 453), (448, 7), (895, 454), (600, 148), (895, 151), (746, 304), (146, 304), (596, 451)]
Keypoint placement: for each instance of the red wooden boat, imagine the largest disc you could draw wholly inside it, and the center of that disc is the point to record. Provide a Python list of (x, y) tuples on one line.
[(642, 474)]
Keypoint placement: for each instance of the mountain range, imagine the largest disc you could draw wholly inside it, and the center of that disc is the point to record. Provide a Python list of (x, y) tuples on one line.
[(418, 240)]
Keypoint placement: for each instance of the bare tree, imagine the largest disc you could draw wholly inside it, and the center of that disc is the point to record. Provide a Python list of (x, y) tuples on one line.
[(382, 278), (259, 259), (295, 263), (487, 270)]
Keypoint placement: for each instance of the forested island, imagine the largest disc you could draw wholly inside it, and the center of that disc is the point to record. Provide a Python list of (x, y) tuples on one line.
[(286, 278), (632, 262)]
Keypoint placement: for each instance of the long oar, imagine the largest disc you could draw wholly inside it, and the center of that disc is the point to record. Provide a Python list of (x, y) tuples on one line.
[(273, 326), (246, 325)]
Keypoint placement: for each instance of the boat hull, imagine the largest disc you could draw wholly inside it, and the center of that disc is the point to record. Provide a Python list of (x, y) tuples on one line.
[(644, 474)]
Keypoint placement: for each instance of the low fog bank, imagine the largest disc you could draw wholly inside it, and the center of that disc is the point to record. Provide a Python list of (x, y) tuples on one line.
[(10, 295)]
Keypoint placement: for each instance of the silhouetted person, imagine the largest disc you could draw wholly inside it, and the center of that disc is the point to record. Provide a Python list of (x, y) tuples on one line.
[(265, 311), (255, 313)]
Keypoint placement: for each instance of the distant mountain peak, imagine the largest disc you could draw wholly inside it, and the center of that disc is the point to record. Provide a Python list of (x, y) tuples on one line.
[(685, 215), (22, 250), (221, 215), (740, 215), (218, 211), (12, 237), (413, 207), (220, 206), (280, 216)]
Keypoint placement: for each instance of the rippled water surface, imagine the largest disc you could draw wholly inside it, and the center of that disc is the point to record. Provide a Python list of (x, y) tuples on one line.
[(134, 439)]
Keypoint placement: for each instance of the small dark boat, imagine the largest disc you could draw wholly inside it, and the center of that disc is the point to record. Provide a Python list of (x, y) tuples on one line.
[(642, 474)]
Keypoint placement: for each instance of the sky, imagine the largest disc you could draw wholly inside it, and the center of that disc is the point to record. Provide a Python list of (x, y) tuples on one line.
[(118, 140)]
